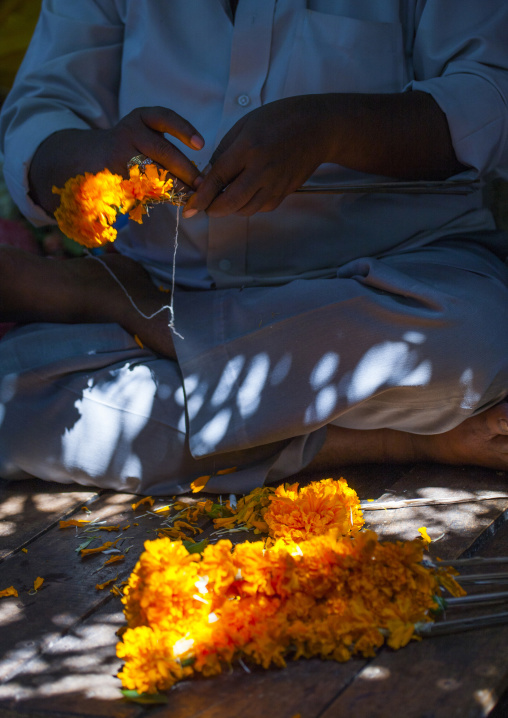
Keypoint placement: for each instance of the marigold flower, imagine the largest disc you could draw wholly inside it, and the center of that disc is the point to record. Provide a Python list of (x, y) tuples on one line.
[(90, 203), (313, 510), (329, 596)]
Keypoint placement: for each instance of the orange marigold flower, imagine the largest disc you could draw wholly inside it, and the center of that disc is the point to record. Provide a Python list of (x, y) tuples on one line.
[(88, 207), (313, 510), (90, 203)]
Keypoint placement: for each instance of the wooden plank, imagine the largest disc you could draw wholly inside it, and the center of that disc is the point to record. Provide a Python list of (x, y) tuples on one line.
[(75, 675), (30, 507), (448, 677), (370, 481), (497, 544), (30, 623), (459, 675), (305, 687), (55, 674), (460, 526)]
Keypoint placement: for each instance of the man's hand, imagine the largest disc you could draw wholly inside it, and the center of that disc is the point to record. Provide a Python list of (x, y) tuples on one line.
[(70, 152), (274, 149), (268, 154)]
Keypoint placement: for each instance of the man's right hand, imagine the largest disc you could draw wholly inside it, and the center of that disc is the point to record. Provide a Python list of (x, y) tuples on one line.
[(68, 153)]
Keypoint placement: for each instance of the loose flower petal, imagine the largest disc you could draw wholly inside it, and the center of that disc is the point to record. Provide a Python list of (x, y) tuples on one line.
[(144, 500), (11, 591)]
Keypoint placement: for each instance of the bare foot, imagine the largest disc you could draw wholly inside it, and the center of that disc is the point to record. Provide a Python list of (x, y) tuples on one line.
[(481, 440)]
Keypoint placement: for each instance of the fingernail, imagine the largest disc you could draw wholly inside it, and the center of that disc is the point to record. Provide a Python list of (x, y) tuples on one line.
[(503, 425), (187, 213), (197, 141), (197, 182)]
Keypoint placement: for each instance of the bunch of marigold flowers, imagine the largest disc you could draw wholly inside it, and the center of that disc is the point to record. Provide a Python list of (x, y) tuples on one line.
[(326, 596), (90, 203)]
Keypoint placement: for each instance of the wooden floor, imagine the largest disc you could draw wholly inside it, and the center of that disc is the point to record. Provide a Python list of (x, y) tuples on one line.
[(57, 646)]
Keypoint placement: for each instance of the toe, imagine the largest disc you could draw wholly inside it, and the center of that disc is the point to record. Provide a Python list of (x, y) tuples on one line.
[(496, 419)]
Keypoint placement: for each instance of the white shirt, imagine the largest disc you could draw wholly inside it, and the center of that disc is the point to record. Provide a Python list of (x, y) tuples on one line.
[(93, 61)]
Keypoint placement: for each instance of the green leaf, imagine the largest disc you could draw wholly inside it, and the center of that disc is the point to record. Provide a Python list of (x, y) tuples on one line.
[(441, 604), (219, 511), (195, 547), (85, 544), (145, 698)]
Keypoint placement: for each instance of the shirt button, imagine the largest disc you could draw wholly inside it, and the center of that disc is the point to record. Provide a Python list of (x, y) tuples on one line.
[(225, 265), (243, 100)]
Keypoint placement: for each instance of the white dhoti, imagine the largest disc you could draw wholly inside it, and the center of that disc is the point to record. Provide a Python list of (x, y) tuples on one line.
[(416, 342)]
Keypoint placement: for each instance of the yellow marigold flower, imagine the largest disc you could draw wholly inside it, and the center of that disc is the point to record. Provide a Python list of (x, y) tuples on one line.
[(73, 522)]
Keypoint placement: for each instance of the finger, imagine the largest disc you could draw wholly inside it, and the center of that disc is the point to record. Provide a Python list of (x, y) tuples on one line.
[(262, 201), (161, 150), (162, 119), (211, 186)]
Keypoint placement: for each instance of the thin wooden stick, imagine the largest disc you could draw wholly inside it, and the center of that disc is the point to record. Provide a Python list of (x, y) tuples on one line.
[(415, 503), (473, 623)]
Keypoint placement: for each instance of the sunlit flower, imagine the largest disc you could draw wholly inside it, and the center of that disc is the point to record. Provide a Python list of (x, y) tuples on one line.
[(330, 596), (313, 510), (90, 203)]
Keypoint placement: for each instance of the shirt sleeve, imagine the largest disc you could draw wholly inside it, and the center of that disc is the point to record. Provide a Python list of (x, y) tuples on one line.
[(69, 79), (460, 57)]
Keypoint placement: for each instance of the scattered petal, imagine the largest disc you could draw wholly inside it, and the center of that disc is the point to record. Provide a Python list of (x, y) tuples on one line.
[(144, 500), (425, 536), (114, 559), (101, 586), (199, 483), (11, 591)]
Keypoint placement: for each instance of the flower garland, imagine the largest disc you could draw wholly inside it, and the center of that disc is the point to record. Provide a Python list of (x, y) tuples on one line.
[(90, 203), (325, 597), (317, 587), (290, 513)]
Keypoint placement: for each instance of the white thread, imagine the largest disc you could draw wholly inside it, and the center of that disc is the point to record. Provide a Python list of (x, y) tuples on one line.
[(169, 307)]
